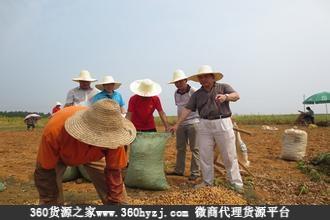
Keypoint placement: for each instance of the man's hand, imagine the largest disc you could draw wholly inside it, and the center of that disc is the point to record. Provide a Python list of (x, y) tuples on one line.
[(184, 114), (167, 128), (173, 128), (221, 98)]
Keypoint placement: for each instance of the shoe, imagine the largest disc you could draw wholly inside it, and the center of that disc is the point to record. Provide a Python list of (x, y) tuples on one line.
[(193, 177), (201, 185), (173, 173)]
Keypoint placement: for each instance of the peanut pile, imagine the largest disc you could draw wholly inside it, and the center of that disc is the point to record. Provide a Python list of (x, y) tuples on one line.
[(205, 196)]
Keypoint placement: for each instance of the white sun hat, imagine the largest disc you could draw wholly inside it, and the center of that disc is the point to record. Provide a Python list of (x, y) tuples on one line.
[(58, 103), (177, 76), (145, 88), (84, 76), (107, 80), (205, 69)]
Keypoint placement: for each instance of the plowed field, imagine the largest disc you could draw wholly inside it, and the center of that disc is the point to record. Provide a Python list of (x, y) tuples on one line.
[(274, 181)]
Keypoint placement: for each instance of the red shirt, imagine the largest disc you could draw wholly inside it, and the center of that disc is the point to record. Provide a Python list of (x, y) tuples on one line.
[(56, 109), (56, 144), (142, 109)]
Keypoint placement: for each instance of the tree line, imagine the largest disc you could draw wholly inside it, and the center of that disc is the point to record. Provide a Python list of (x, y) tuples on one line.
[(21, 113)]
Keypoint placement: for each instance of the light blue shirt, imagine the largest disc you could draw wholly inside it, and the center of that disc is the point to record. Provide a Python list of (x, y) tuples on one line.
[(116, 96)]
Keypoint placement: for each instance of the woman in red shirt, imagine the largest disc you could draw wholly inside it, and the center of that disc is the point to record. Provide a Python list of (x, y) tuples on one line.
[(142, 105)]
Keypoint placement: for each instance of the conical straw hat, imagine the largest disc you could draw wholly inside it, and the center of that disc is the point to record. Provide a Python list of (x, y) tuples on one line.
[(101, 125)]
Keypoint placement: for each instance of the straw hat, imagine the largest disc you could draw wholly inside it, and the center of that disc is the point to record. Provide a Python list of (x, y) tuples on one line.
[(177, 76), (58, 103), (205, 69), (101, 125), (107, 80), (145, 88), (84, 76)]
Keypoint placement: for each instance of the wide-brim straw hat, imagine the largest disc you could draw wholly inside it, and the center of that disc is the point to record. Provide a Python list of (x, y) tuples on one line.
[(177, 76), (101, 125), (203, 70), (84, 75), (107, 80), (145, 88)]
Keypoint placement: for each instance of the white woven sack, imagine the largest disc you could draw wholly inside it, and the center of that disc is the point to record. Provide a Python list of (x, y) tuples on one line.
[(294, 144)]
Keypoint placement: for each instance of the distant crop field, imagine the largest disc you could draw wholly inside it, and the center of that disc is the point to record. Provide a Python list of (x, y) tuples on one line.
[(17, 123), (260, 119)]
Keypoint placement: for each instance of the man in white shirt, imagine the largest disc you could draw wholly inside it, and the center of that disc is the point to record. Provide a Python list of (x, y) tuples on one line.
[(82, 94)]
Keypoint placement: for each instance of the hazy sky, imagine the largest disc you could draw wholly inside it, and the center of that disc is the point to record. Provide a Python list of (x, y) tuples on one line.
[(271, 51)]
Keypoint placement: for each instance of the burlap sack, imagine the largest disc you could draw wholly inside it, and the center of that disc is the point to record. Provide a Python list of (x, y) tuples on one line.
[(294, 144)]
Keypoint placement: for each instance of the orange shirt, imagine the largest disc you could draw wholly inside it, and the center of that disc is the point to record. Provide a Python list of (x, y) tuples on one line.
[(56, 144)]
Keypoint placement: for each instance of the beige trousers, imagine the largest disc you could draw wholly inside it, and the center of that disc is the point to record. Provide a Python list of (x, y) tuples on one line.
[(218, 132)]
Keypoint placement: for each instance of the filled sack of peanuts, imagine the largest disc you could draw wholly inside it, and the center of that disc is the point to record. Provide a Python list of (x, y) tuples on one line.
[(294, 144)]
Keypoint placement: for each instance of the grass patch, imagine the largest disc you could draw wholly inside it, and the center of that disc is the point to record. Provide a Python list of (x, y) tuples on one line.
[(17, 123), (249, 194), (303, 189), (318, 169), (257, 119)]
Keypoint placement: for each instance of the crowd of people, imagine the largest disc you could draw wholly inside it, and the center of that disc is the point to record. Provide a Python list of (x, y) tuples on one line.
[(94, 129)]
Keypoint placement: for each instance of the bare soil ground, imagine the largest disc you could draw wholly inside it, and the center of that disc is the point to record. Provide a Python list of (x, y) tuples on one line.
[(275, 181)]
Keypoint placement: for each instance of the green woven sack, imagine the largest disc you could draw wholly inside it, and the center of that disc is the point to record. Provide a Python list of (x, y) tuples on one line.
[(146, 161), (84, 173), (71, 173)]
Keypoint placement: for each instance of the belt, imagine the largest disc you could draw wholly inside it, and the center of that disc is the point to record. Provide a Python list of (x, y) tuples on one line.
[(216, 117)]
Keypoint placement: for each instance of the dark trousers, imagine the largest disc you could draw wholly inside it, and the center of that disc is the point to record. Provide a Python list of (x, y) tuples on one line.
[(50, 193)]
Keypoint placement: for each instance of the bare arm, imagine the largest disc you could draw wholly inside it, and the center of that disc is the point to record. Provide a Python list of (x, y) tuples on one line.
[(163, 117), (122, 110), (230, 97), (184, 114), (129, 116)]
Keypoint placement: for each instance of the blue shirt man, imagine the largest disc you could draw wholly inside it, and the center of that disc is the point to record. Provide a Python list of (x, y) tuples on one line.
[(107, 87), (106, 95)]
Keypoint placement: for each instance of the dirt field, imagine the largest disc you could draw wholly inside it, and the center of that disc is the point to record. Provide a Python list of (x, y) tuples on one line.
[(275, 181)]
